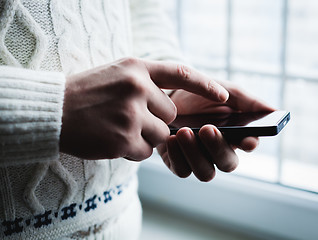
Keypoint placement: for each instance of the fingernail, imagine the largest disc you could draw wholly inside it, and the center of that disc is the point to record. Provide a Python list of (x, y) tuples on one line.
[(190, 133), (223, 94), (212, 132), (208, 133), (187, 135)]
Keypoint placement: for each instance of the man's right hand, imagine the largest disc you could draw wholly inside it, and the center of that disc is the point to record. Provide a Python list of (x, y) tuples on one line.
[(119, 110)]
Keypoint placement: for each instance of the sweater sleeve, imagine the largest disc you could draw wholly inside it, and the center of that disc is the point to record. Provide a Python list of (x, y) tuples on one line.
[(31, 105), (153, 33)]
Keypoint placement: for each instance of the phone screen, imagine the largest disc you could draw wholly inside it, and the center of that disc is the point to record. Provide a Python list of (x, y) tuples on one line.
[(248, 124)]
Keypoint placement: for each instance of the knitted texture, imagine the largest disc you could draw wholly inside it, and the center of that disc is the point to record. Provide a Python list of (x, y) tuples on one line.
[(30, 115), (44, 194)]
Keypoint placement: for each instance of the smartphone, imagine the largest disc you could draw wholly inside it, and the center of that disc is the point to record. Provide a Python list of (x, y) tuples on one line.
[(235, 125)]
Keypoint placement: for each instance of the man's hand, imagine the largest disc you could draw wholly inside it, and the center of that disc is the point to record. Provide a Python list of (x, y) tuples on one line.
[(183, 153), (118, 110)]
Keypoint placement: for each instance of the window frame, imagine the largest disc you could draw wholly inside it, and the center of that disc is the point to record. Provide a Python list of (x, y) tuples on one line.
[(268, 210), (229, 70), (253, 207)]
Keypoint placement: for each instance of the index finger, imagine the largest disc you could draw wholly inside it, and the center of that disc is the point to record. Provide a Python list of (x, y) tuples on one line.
[(178, 76)]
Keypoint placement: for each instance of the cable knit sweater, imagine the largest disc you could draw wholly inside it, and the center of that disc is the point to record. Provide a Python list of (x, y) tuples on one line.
[(44, 194)]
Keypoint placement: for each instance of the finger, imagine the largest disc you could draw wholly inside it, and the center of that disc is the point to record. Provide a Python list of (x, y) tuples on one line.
[(202, 168), (178, 162), (162, 150), (178, 76), (242, 101), (223, 155), (154, 130), (248, 144), (140, 149), (161, 105)]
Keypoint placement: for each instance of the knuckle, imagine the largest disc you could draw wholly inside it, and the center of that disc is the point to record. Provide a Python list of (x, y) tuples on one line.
[(183, 71), (114, 153), (133, 85), (125, 119), (133, 110), (147, 153), (130, 61), (130, 81), (211, 87), (141, 89), (143, 154), (120, 148), (124, 142), (129, 116), (160, 135)]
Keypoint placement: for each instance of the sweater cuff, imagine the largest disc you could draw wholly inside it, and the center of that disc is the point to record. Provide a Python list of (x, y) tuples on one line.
[(31, 104)]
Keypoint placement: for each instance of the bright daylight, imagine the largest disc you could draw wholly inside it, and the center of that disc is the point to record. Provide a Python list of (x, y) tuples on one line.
[(270, 49)]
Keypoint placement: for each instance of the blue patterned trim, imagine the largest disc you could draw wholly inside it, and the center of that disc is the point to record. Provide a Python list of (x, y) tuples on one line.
[(48, 217)]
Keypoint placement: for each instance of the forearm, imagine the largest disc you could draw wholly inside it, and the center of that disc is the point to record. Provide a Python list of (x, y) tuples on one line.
[(31, 105)]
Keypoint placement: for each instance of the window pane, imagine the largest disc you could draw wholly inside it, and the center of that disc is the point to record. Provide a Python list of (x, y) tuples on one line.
[(300, 142), (256, 35), (303, 38), (203, 32), (262, 163), (265, 88), (259, 164), (256, 45), (218, 75)]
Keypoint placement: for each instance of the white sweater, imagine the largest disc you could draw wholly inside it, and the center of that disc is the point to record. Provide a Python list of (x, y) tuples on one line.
[(44, 194)]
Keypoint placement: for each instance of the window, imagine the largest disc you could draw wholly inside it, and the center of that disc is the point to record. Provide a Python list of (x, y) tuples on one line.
[(270, 48)]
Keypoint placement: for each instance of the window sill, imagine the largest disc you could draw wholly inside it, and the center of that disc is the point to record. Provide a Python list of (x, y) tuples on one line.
[(258, 208)]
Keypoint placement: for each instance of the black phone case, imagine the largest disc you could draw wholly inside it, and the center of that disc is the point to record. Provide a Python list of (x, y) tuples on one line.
[(243, 131)]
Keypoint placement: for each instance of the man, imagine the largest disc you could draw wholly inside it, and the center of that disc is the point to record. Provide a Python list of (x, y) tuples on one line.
[(77, 112)]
